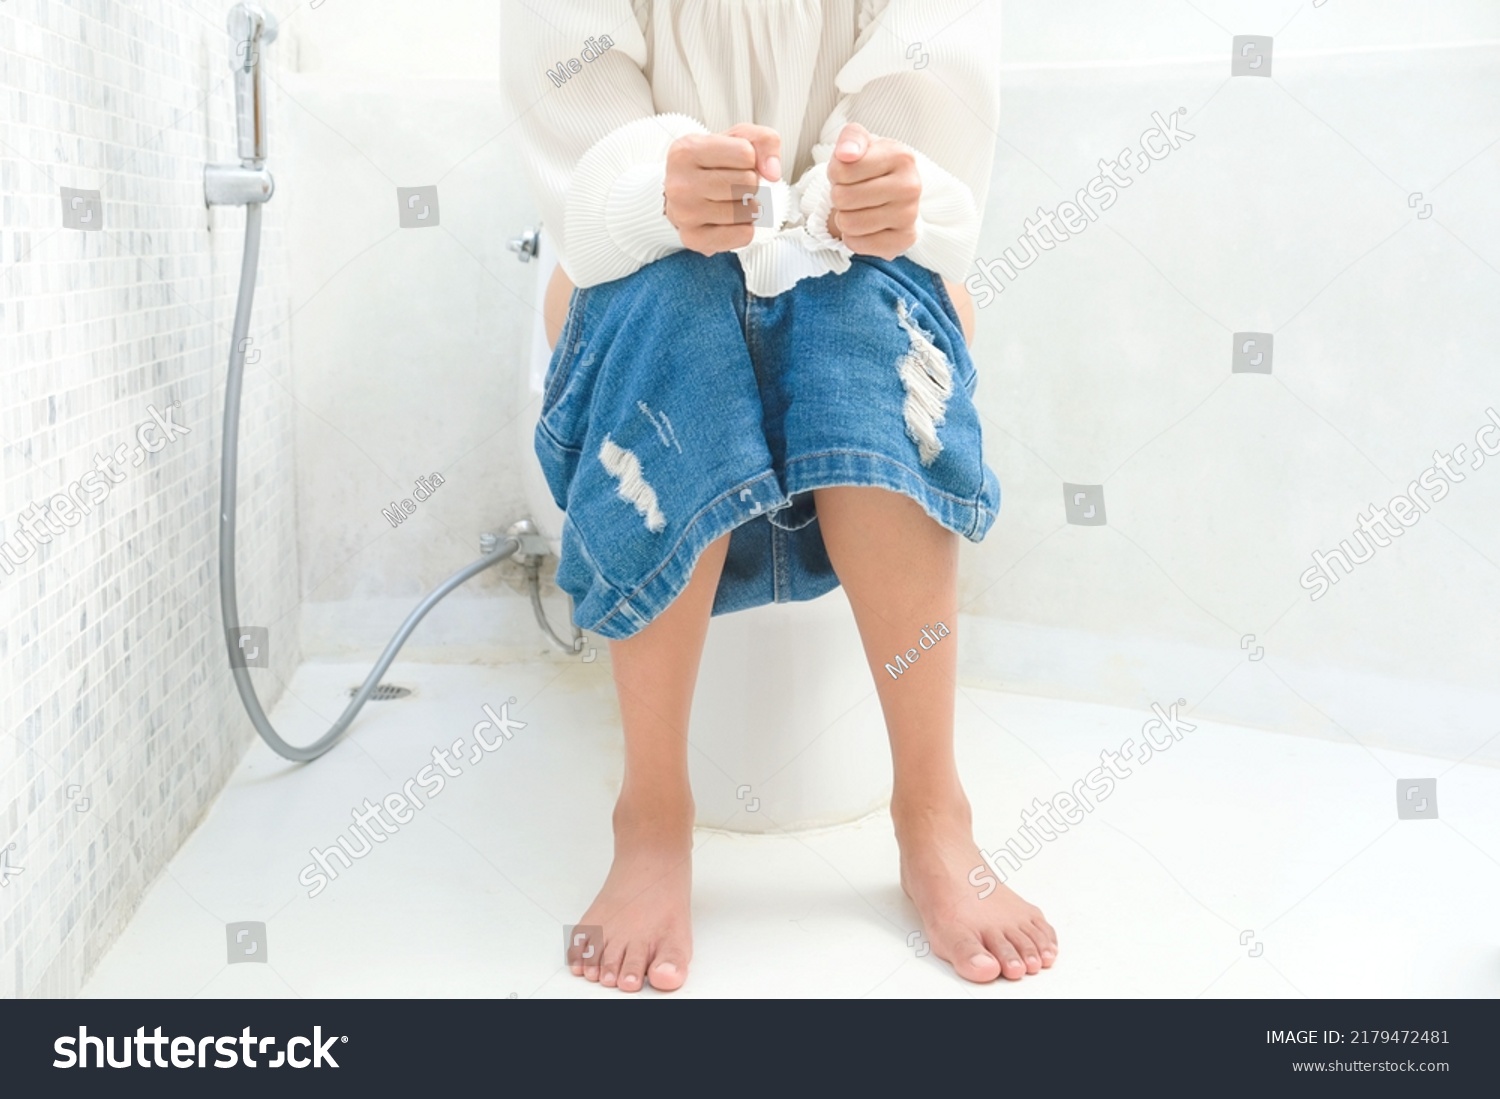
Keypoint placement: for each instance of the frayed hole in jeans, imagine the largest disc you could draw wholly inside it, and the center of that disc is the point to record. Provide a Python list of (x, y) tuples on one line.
[(625, 467), (928, 380)]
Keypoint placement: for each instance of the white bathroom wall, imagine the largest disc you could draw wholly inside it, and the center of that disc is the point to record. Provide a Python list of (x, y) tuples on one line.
[(408, 342), (1292, 211), (120, 721), (1105, 363)]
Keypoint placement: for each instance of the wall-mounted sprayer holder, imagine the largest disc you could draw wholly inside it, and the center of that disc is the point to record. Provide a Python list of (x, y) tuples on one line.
[(248, 182)]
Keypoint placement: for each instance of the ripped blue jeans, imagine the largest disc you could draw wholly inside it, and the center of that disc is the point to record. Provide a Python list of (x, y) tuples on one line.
[(678, 407)]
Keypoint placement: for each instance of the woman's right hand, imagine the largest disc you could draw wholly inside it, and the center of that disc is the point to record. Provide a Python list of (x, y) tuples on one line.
[(706, 176)]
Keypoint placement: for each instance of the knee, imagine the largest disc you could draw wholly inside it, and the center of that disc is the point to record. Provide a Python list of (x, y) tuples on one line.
[(686, 286)]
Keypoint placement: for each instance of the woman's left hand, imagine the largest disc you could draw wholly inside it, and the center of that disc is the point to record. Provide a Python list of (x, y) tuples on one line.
[(876, 190)]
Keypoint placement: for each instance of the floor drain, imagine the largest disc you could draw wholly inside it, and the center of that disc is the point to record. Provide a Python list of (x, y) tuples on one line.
[(383, 693)]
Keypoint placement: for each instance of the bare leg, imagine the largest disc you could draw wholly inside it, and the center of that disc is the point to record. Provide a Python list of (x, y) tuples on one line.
[(643, 908), (900, 569)]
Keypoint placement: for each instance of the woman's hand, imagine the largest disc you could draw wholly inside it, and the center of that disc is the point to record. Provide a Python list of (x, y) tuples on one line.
[(876, 190), (706, 176)]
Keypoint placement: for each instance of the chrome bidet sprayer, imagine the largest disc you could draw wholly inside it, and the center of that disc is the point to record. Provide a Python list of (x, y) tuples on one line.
[(248, 184)]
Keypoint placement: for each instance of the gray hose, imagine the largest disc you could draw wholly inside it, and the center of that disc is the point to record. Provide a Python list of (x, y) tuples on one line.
[(228, 600)]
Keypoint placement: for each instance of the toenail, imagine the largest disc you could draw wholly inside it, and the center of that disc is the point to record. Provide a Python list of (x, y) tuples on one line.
[(666, 969), (979, 959)]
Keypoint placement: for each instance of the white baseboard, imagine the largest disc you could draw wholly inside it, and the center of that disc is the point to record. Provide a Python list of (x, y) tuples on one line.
[(1427, 717)]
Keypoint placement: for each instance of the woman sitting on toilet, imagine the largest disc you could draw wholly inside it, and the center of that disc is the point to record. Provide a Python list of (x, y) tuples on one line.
[(762, 389)]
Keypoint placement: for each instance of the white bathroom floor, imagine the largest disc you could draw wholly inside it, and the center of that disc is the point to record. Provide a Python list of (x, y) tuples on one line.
[(1291, 844)]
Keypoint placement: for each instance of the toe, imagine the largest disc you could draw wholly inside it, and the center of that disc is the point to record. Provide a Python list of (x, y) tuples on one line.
[(1030, 953), (633, 968), (1046, 940), (668, 969), (970, 959), (609, 968), (1012, 967)]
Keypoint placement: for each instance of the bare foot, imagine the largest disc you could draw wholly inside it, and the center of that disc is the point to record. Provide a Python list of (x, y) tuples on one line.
[(1000, 935), (642, 910)]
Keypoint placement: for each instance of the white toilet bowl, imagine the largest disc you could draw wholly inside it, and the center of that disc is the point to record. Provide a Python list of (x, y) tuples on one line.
[(786, 731)]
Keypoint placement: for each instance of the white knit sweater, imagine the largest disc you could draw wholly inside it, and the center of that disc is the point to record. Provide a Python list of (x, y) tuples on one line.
[(603, 87)]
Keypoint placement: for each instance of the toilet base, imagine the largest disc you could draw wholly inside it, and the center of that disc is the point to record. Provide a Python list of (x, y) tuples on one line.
[(786, 728)]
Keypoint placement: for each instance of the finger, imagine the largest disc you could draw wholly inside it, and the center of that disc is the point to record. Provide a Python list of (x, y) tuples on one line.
[(722, 151), (767, 144), (887, 245), (691, 198), (854, 141), (883, 159), (728, 184), (710, 240), (696, 213), (866, 194), (711, 185), (877, 219)]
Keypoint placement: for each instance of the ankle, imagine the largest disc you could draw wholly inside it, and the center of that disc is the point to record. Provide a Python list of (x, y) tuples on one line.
[(663, 809), (941, 805)]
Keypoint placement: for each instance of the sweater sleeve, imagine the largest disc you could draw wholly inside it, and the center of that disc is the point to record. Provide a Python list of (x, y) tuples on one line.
[(924, 73), (591, 139)]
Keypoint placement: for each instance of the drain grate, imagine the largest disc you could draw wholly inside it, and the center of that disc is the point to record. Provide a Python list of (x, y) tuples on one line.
[(384, 692)]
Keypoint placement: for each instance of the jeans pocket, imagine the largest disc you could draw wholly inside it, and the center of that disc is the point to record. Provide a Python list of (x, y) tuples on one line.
[(566, 354)]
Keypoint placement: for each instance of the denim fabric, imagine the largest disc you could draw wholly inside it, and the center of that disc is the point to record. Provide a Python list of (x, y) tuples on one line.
[(679, 407)]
